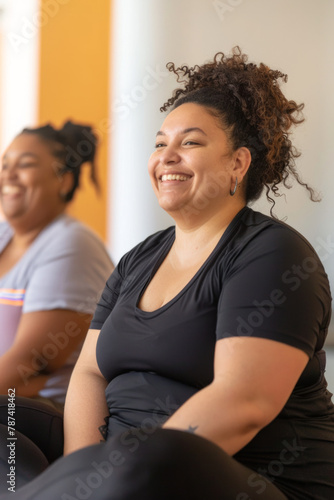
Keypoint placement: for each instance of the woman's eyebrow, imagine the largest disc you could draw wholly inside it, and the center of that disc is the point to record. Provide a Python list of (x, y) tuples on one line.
[(35, 156), (186, 131)]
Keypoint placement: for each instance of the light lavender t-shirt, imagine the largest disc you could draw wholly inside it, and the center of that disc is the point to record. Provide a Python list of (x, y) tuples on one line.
[(65, 267)]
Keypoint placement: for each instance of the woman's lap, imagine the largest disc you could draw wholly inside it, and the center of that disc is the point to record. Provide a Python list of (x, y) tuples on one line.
[(38, 421), (164, 464), (20, 460)]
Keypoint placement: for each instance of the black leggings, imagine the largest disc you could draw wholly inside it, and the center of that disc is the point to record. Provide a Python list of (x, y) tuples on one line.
[(37, 421), (163, 465), (37, 440)]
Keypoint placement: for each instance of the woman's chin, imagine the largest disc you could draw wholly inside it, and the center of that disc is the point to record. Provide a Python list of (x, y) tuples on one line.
[(170, 206)]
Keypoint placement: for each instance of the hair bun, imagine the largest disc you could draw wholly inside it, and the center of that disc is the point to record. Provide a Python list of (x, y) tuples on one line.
[(78, 145), (80, 138)]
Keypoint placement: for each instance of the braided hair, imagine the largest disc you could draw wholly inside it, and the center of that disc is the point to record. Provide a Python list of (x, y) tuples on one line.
[(253, 112), (72, 145)]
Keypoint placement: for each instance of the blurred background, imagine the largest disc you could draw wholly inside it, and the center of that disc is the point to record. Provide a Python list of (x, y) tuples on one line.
[(103, 63)]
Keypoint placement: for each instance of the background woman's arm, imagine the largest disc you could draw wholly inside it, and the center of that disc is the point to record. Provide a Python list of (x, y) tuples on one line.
[(43, 342)]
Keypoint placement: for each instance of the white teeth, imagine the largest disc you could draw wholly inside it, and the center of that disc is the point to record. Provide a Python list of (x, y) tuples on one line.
[(10, 189), (173, 177)]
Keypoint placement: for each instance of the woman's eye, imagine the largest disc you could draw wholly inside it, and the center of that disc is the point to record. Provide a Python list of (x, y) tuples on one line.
[(27, 165), (159, 145), (191, 143)]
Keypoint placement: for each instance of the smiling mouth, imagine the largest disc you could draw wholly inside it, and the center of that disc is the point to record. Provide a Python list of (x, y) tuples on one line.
[(174, 177), (10, 190)]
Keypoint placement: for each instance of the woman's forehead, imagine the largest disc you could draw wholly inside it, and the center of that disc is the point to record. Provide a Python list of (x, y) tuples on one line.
[(189, 113), (29, 144), (189, 117)]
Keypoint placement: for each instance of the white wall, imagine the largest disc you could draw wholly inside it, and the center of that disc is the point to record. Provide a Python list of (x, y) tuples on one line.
[(20, 24), (295, 36)]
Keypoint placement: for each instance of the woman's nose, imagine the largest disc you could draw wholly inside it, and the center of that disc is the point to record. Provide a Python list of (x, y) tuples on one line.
[(169, 155), (8, 172)]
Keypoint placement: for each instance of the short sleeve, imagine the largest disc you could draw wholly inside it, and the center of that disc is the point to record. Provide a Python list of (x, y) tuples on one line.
[(69, 272), (128, 269), (108, 299), (276, 288)]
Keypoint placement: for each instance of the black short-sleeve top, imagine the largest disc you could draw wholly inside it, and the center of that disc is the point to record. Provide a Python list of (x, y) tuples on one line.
[(263, 279)]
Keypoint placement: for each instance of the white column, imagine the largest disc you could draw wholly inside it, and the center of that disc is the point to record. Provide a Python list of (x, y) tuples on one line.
[(140, 85), (21, 20)]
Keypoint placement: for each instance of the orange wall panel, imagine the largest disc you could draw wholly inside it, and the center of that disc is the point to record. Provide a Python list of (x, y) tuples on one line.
[(74, 84), (1, 40)]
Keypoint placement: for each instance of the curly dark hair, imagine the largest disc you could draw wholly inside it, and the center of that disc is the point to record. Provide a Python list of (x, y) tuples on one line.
[(254, 113), (72, 145)]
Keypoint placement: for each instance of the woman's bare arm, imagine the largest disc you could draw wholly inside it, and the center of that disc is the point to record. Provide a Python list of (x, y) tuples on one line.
[(85, 406), (253, 379), (43, 342)]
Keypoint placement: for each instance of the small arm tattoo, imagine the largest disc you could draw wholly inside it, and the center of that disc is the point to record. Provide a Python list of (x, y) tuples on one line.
[(104, 429), (192, 429)]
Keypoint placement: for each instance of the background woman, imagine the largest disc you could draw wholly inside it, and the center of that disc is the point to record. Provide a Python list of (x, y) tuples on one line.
[(214, 326), (52, 267)]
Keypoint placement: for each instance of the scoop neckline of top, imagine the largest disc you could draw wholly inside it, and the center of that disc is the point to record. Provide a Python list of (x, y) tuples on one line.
[(165, 249)]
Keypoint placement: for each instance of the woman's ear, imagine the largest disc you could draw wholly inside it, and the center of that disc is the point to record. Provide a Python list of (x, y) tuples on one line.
[(243, 158), (66, 183)]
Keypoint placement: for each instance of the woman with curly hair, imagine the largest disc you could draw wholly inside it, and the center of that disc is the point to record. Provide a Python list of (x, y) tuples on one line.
[(208, 338)]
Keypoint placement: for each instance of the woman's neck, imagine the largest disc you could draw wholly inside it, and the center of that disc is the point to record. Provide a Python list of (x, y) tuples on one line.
[(23, 240), (197, 236), (25, 232)]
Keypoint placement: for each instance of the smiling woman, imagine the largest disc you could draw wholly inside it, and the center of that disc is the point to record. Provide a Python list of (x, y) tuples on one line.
[(199, 329), (29, 181), (48, 291), (194, 168)]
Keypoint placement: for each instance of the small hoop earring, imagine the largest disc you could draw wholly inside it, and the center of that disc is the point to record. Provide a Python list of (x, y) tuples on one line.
[(232, 193)]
